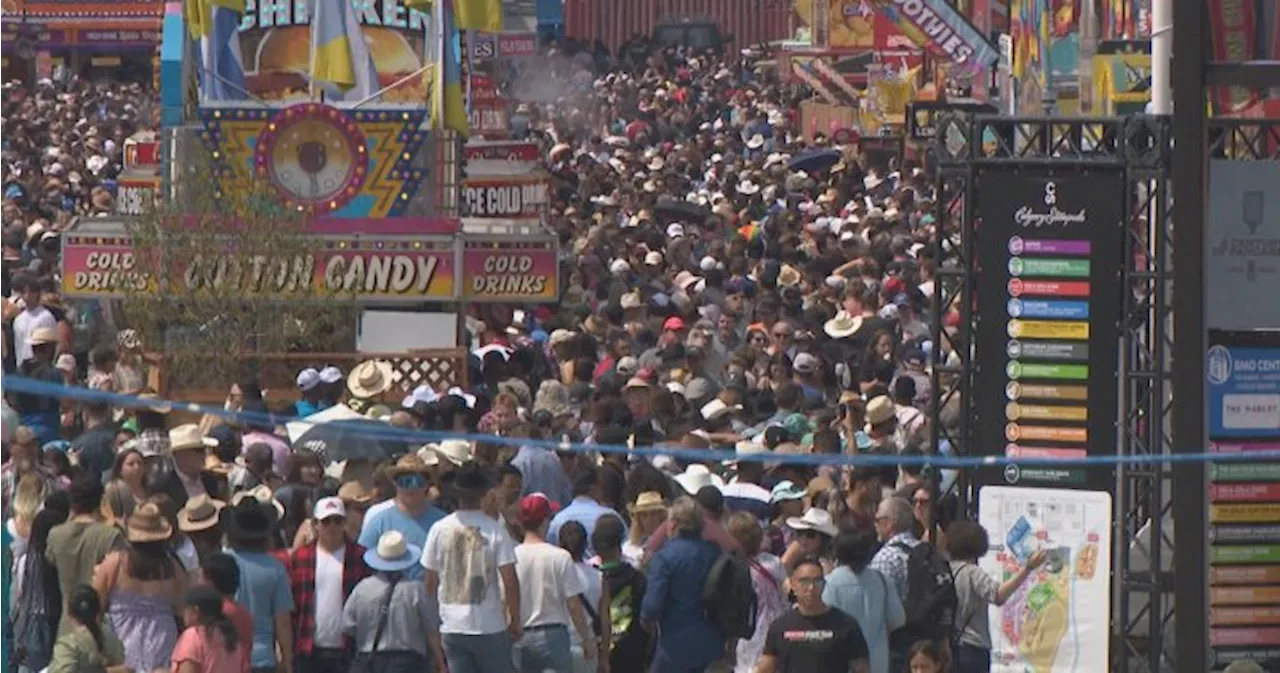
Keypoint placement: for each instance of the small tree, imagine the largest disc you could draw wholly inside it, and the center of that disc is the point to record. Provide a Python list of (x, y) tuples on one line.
[(233, 273)]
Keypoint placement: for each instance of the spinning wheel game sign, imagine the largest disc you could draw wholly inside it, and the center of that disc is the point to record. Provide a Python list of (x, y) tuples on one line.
[(322, 160)]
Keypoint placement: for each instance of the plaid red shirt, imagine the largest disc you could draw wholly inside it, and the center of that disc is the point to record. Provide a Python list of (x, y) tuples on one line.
[(302, 580)]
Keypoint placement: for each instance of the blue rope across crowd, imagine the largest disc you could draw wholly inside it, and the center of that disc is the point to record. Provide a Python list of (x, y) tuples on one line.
[(413, 436)]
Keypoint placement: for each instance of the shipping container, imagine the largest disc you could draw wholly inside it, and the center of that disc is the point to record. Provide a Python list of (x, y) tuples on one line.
[(613, 22)]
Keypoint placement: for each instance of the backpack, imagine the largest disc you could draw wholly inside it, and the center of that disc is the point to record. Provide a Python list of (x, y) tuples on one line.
[(931, 599), (729, 598)]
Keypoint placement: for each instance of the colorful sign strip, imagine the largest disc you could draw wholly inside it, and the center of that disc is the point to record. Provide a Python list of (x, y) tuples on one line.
[(943, 30), (510, 272), (1242, 382), (515, 151), (1047, 340), (506, 197)]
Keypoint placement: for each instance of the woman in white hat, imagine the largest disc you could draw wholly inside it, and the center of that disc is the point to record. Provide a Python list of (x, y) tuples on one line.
[(813, 535), (387, 613)]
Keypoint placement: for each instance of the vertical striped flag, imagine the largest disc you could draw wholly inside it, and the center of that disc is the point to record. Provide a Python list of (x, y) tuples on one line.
[(340, 59), (447, 108), (215, 25)]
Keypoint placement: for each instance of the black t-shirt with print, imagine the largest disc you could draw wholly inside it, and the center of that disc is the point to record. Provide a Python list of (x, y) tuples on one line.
[(831, 641)]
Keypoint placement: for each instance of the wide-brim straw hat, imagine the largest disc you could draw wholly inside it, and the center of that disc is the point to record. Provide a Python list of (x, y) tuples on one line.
[(147, 524), (187, 437), (200, 513), (370, 379), (263, 495), (393, 553), (409, 463), (649, 501), (843, 325)]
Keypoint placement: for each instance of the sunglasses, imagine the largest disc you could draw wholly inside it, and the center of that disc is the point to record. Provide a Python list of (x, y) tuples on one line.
[(411, 481)]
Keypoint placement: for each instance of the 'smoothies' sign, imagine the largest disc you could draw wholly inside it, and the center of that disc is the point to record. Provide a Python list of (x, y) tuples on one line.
[(938, 27)]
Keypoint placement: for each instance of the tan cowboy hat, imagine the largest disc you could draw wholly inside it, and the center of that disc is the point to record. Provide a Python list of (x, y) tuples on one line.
[(217, 466), (842, 325), (649, 501), (879, 410), (200, 513), (429, 454), (355, 493), (789, 276), (43, 335), (187, 437), (370, 379), (409, 463), (261, 493), (147, 524)]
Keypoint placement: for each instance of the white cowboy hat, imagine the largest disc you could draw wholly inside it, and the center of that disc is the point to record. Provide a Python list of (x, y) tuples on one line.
[(696, 476), (746, 448), (842, 325), (789, 275), (261, 493), (879, 410), (814, 519), (748, 188), (756, 142), (717, 408), (657, 164), (370, 379), (187, 436), (456, 451), (393, 553)]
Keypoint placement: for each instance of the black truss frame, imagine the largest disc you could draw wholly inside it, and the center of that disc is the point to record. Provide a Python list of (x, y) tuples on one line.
[(1143, 587)]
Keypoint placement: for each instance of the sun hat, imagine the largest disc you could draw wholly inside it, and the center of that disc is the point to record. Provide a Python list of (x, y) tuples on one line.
[(456, 451), (788, 276), (805, 363), (370, 378), (187, 437), (696, 476), (262, 495), (200, 513), (147, 524), (649, 501), (784, 491), (356, 493), (814, 519), (636, 383), (308, 379), (328, 507), (879, 410), (536, 508), (393, 553), (429, 453)]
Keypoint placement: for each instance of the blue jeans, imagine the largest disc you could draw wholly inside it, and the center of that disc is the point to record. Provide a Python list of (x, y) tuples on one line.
[(544, 649), (488, 653)]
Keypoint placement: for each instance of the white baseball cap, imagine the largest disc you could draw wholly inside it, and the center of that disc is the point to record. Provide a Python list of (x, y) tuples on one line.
[(331, 374), (329, 507), (308, 378)]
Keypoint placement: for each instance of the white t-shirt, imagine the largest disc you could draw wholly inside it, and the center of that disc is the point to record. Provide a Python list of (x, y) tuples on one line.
[(329, 597), (466, 549), (26, 323), (548, 581), (593, 588)]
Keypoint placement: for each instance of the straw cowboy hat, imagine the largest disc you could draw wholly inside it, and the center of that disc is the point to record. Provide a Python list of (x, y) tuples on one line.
[(262, 495), (649, 501), (187, 437), (393, 553), (814, 519), (200, 513), (43, 335), (788, 276), (746, 448), (355, 493), (428, 454), (409, 463), (879, 410), (147, 524), (370, 379)]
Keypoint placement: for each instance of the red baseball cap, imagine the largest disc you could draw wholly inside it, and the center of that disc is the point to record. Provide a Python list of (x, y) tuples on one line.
[(673, 324), (536, 508)]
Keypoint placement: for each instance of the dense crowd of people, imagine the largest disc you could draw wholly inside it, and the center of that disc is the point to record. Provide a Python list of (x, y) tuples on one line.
[(722, 293)]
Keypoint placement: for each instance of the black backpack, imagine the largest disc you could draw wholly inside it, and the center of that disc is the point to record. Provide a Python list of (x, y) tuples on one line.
[(931, 599), (728, 597)]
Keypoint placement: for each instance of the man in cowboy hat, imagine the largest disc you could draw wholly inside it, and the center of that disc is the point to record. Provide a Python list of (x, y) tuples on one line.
[(185, 477), (370, 379), (466, 555), (322, 575), (411, 511), (264, 582)]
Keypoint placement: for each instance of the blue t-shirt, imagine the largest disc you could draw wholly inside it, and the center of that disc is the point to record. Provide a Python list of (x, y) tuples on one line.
[(264, 591), (388, 516)]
